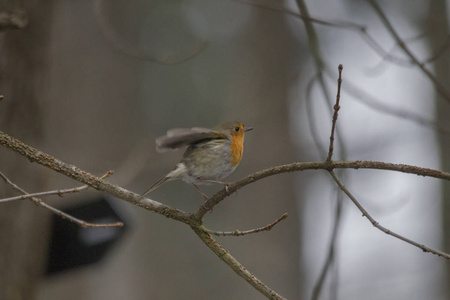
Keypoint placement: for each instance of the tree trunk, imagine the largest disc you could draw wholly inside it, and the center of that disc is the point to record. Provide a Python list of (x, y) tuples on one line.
[(438, 26)]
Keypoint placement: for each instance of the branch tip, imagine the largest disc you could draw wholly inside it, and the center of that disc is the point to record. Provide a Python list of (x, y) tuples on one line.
[(236, 232), (378, 226), (336, 108)]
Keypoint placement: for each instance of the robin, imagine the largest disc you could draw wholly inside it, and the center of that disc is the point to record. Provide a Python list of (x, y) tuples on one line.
[(212, 155)]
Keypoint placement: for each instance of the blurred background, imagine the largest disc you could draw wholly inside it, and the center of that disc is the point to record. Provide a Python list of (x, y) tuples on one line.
[(94, 82)]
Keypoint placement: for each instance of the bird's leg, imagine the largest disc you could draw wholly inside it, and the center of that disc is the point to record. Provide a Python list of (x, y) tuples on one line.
[(225, 184), (200, 191)]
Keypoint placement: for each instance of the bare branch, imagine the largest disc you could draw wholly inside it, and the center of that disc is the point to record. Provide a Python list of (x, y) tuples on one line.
[(436, 53), (362, 30), (303, 166), (335, 114), (359, 94), (74, 172), (195, 220), (378, 226), (439, 51), (364, 98), (58, 212), (345, 25), (48, 193), (439, 87), (268, 227), (337, 220), (318, 59), (225, 256)]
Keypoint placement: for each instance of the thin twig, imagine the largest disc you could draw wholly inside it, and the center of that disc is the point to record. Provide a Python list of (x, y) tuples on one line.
[(74, 172), (195, 220), (371, 41), (439, 87), (345, 25), (314, 44), (237, 267), (303, 166), (79, 175), (58, 212), (47, 193), (318, 286), (366, 36), (366, 99), (436, 53), (378, 226), (268, 227), (335, 114), (439, 51)]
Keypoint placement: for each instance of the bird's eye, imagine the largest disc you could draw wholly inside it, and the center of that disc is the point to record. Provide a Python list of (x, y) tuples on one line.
[(236, 128)]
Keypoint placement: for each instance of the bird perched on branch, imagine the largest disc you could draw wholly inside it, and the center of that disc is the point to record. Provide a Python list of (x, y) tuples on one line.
[(212, 155)]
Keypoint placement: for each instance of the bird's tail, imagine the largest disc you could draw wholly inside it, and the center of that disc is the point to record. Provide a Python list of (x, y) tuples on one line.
[(157, 184)]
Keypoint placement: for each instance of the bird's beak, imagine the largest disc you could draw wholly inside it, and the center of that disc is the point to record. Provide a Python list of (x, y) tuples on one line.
[(248, 129)]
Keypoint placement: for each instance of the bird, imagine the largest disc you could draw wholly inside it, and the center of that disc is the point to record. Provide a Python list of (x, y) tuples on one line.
[(212, 154)]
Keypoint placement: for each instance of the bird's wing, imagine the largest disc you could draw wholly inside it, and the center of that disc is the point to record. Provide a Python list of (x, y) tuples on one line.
[(180, 137)]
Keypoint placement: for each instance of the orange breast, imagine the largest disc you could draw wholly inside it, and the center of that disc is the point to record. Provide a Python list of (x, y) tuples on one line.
[(237, 148)]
